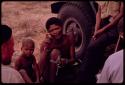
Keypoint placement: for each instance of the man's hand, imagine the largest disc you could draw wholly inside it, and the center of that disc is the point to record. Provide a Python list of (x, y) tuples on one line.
[(98, 33), (46, 41)]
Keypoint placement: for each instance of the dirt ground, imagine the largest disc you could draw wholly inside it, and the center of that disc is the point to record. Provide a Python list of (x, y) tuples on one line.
[(27, 19)]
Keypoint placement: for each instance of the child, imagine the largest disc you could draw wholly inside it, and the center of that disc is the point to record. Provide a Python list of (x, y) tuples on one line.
[(26, 63)]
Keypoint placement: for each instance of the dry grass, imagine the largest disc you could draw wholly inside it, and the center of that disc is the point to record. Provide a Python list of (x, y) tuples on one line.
[(27, 19)]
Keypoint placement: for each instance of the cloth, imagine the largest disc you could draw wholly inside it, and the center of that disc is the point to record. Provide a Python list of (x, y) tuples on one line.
[(112, 71), (111, 8), (10, 75)]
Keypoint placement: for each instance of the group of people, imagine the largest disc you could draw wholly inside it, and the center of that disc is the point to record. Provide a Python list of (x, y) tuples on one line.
[(55, 50), (59, 49)]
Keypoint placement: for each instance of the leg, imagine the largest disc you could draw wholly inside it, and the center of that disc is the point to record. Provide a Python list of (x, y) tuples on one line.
[(120, 25), (42, 64), (94, 58), (25, 76), (53, 64)]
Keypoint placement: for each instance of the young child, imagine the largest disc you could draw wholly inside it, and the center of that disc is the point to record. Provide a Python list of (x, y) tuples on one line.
[(57, 48), (26, 63)]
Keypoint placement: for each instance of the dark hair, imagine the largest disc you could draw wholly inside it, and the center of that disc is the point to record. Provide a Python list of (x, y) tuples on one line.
[(53, 20), (5, 34), (27, 41)]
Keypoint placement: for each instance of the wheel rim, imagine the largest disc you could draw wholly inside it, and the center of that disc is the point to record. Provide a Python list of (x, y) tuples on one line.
[(71, 24)]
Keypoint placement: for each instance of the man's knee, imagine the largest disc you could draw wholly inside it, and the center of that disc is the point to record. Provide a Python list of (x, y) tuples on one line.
[(55, 54), (120, 25), (92, 46)]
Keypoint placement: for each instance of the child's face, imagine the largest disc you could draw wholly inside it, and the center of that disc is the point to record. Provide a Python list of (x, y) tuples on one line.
[(28, 50), (55, 31)]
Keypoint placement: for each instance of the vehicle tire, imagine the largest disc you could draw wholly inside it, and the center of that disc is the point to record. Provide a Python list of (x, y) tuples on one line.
[(80, 20)]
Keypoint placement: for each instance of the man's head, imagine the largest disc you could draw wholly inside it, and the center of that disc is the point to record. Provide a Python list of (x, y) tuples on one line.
[(7, 44), (54, 27), (27, 47), (6, 33)]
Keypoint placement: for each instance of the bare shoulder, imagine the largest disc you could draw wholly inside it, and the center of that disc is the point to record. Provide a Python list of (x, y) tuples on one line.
[(19, 59)]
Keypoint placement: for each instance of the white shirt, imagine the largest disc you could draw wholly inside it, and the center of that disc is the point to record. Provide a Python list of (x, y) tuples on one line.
[(112, 71), (10, 75)]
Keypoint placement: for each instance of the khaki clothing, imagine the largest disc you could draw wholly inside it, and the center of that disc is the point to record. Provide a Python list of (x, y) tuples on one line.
[(109, 8)]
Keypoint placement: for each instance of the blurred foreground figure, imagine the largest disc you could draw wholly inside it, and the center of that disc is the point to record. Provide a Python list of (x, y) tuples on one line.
[(8, 73)]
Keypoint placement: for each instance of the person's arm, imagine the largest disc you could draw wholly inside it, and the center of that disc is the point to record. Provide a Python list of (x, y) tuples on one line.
[(17, 64), (113, 22), (22, 71), (43, 55), (16, 77), (98, 19), (37, 71), (72, 48), (25, 76)]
